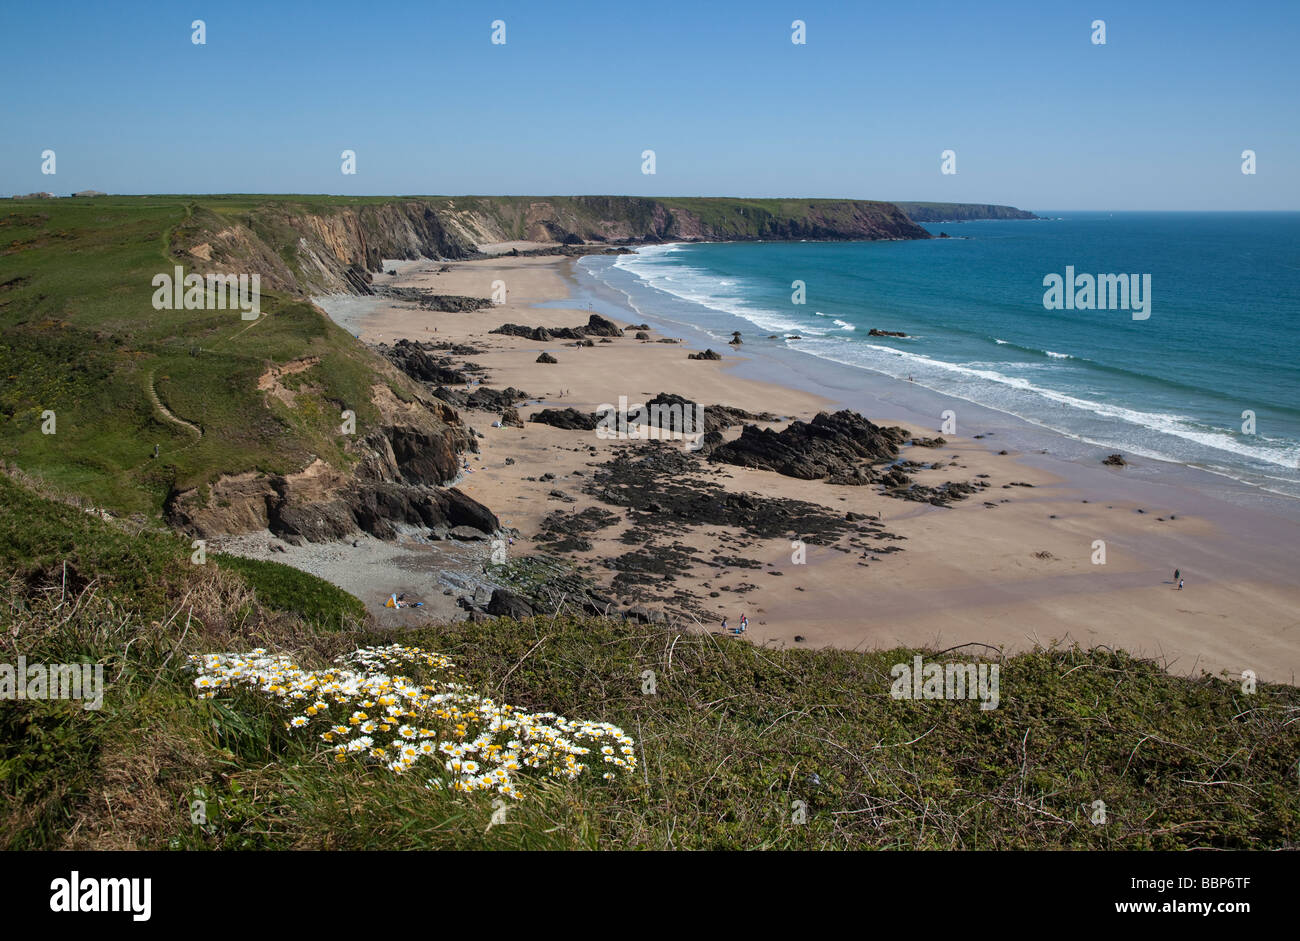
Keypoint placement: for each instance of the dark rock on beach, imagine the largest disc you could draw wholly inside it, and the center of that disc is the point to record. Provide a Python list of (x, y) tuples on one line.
[(828, 446), (416, 361), (597, 326), (941, 495), (569, 419), (378, 508), (568, 532), (428, 300), (672, 412), (547, 358), (707, 354), (482, 398)]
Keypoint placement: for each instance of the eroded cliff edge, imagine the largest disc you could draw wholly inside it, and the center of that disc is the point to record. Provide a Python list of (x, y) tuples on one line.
[(320, 245)]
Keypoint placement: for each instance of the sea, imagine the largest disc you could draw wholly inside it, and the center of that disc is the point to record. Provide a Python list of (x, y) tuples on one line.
[(1206, 377)]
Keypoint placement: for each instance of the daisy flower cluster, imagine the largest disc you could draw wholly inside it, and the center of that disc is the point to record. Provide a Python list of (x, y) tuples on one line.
[(368, 707)]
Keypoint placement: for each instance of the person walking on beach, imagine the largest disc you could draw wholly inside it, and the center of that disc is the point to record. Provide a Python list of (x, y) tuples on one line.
[(1180, 584), (744, 623), (1177, 577), (724, 625)]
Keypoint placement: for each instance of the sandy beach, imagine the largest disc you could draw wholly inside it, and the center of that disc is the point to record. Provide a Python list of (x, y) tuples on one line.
[(1012, 566)]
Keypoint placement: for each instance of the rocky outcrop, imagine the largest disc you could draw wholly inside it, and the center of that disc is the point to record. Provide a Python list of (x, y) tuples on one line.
[(482, 398), (829, 446), (540, 334), (506, 603), (398, 476), (570, 419), (416, 361), (546, 358), (717, 418), (843, 448), (428, 300), (596, 326), (873, 332), (320, 505), (707, 354), (941, 495)]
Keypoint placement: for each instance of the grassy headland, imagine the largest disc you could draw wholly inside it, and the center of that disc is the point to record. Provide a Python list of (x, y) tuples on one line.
[(736, 744)]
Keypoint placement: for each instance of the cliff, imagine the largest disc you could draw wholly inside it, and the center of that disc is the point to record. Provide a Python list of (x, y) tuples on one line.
[(317, 245), (960, 212)]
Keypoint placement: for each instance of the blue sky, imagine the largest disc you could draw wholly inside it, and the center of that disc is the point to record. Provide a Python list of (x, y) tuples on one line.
[(1038, 115)]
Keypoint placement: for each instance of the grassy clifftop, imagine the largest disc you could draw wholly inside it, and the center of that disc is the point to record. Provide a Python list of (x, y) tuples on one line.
[(628, 218), (737, 746), (80, 338), (960, 212)]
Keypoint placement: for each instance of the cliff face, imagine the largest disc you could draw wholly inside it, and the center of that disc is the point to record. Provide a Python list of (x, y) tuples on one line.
[(304, 249), (397, 479), (960, 212), (319, 246)]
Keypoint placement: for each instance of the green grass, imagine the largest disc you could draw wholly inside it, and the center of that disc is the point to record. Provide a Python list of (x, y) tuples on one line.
[(79, 337), (77, 589), (286, 588), (728, 742)]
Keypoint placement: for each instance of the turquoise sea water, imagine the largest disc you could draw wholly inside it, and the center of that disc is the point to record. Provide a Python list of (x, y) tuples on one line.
[(1222, 338)]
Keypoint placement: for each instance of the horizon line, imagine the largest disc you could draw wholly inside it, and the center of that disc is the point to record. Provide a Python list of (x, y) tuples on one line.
[(860, 199)]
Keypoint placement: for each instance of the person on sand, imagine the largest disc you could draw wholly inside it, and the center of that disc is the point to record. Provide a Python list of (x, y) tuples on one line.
[(724, 625), (1180, 584), (1177, 576), (744, 623)]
